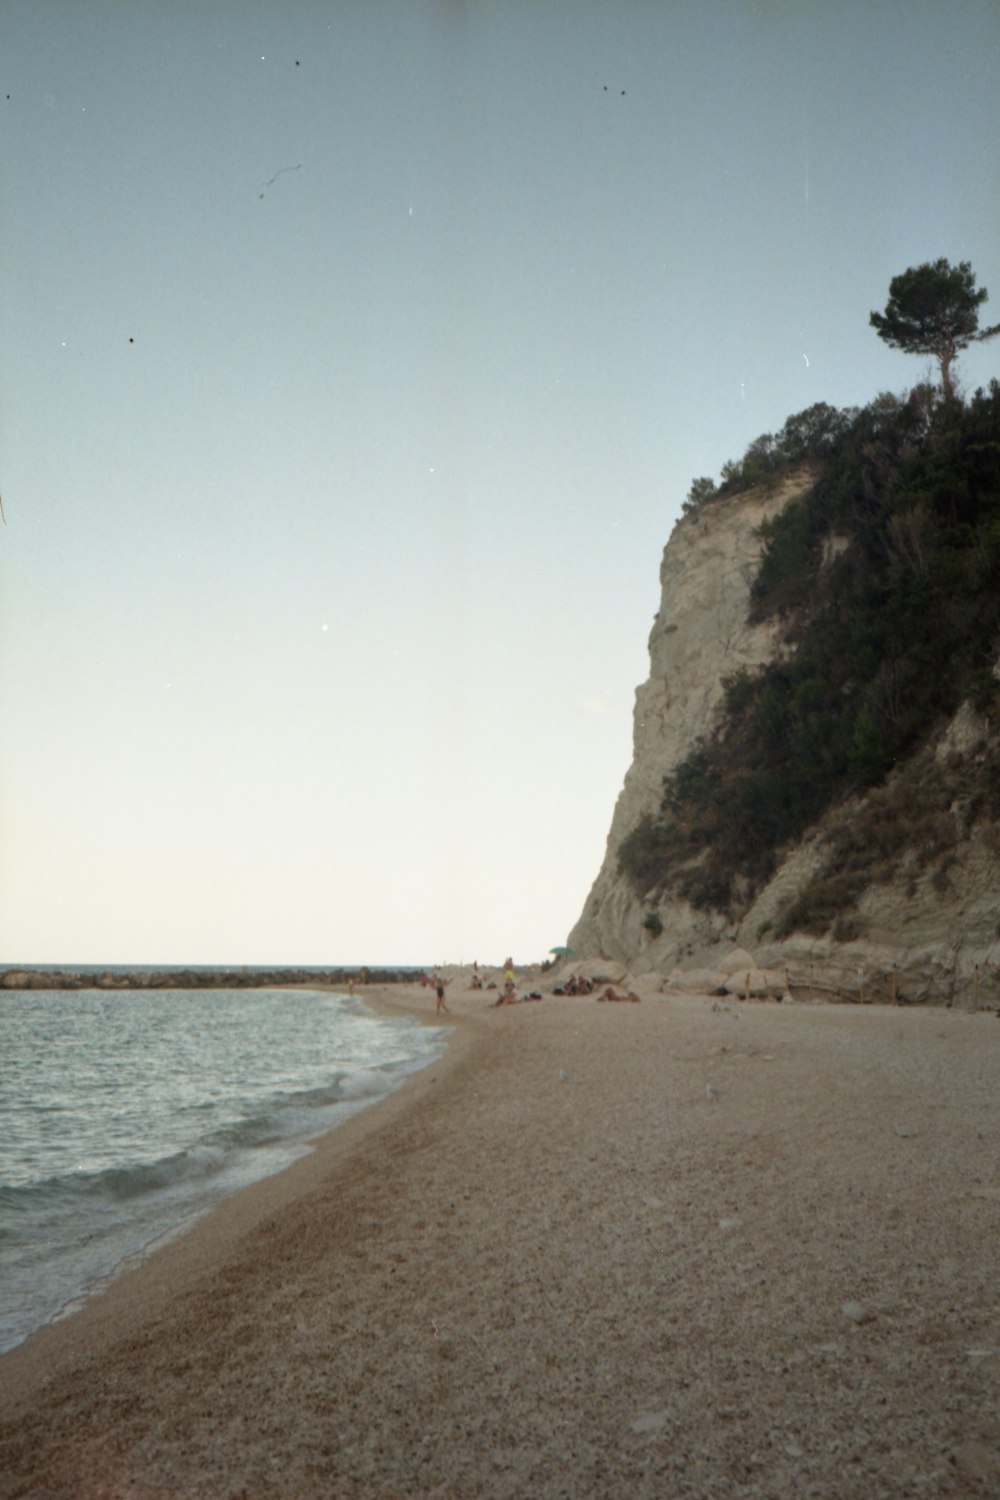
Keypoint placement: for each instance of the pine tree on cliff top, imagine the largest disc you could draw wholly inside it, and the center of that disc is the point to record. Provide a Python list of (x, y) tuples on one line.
[(934, 309)]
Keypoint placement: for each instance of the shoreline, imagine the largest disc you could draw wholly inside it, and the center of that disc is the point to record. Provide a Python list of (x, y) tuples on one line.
[(677, 1248), (156, 1203), (182, 1253)]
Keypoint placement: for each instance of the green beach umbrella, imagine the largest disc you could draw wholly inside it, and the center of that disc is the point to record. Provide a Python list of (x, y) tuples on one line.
[(562, 952)]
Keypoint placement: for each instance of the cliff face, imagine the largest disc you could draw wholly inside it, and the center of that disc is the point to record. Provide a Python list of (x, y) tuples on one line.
[(925, 924)]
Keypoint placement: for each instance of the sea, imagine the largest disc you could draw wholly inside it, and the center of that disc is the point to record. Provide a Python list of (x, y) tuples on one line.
[(126, 1114)]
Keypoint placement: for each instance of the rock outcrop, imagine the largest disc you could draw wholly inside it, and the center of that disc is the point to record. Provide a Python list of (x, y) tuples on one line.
[(929, 933)]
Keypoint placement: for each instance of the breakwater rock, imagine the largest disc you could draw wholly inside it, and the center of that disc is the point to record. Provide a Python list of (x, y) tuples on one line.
[(37, 978)]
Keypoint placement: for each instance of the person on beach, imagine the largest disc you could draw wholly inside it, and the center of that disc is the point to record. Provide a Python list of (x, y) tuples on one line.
[(611, 994), (439, 987), (508, 970)]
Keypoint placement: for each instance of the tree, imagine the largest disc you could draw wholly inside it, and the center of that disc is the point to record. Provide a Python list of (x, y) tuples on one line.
[(934, 309), (700, 491)]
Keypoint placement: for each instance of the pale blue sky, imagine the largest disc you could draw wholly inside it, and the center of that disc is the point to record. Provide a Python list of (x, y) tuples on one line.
[(323, 601)]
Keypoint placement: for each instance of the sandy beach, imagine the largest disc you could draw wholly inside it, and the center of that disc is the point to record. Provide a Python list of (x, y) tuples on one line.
[(689, 1247)]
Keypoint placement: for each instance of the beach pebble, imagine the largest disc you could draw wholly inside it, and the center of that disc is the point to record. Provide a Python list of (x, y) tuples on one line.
[(856, 1313), (729, 1223), (906, 1130), (975, 1459), (649, 1421)]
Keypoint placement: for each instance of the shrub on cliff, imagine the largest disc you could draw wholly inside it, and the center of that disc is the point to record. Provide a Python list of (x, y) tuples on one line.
[(809, 435)]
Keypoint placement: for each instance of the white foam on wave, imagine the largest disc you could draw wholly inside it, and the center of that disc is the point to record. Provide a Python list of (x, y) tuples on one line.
[(367, 1084)]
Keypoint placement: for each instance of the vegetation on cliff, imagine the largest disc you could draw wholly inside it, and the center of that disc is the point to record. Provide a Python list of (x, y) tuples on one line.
[(885, 578), (934, 309)]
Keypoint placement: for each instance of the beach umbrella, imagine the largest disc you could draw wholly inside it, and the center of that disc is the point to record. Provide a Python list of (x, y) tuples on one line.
[(561, 952)]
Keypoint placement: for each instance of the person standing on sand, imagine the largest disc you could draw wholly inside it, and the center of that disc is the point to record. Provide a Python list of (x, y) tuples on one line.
[(439, 985), (508, 970)]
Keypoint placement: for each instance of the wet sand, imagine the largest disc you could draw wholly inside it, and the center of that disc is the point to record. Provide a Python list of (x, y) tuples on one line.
[(686, 1247)]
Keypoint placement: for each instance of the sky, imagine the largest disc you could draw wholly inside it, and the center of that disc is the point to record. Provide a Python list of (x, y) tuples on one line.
[(357, 358)]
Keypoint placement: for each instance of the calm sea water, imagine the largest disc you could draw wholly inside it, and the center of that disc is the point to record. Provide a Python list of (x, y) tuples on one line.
[(125, 1113)]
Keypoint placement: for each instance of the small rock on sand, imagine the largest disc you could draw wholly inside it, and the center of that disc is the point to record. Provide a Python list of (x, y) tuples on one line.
[(649, 1421), (976, 1460)]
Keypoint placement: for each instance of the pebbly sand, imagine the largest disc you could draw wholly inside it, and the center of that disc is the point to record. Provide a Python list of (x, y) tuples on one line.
[(681, 1248)]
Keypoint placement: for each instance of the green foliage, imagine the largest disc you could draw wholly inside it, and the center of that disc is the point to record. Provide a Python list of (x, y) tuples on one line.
[(739, 691), (882, 643), (934, 309), (653, 923), (914, 823), (808, 436), (785, 574), (870, 756), (645, 853), (820, 906), (701, 490)]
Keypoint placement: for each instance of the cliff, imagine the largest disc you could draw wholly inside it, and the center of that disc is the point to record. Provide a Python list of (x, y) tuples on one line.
[(891, 892)]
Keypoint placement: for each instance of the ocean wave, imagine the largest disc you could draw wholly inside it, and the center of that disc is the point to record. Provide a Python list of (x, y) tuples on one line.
[(277, 1120), (190, 1102), (114, 1184), (368, 1083)]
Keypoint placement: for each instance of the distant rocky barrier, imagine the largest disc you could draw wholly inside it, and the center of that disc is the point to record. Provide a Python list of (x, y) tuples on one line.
[(194, 979)]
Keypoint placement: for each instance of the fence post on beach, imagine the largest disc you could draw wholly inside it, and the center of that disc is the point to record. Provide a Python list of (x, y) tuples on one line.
[(861, 984), (895, 994)]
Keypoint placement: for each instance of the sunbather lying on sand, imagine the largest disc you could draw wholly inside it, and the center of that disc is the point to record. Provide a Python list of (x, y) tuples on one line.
[(510, 998), (610, 994)]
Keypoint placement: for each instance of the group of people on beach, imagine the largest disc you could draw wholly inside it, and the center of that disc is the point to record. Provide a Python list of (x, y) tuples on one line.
[(507, 996), (576, 984)]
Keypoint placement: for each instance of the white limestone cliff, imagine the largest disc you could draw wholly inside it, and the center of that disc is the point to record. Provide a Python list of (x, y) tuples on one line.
[(921, 935)]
